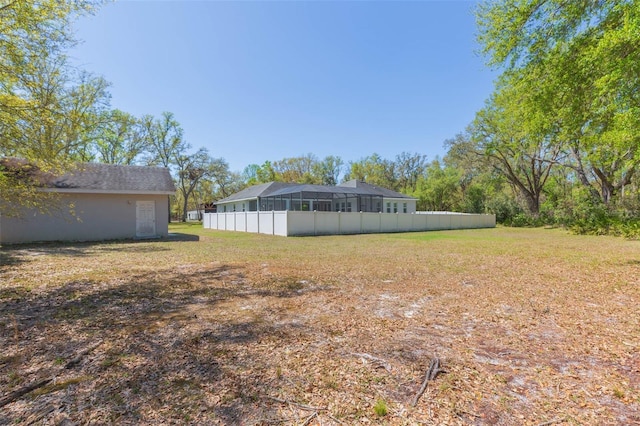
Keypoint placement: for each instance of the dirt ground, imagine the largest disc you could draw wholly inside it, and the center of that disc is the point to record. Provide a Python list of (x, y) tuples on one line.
[(531, 327)]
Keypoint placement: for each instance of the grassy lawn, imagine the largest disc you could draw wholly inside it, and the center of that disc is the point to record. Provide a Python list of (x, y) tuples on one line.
[(531, 325)]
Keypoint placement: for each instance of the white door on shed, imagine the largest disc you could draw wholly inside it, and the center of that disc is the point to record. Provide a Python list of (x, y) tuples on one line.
[(145, 218)]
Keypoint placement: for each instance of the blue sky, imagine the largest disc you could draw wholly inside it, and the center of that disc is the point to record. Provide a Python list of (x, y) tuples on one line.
[(263, 80)]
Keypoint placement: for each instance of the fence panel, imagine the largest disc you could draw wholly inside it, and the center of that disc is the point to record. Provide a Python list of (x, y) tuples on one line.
[(289, 223)]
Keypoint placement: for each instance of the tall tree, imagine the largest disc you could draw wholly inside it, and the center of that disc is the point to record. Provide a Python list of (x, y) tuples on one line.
[(191, 169), (374, 170), (266, 173), (328, 171), (437, 189), (47, 108), (586, 59), (250, 174), (164, 139), (409, 167), (120, 138), (296, 169), (224, 181), (474, 171), (520, 146), (38, 87), (60, 126)]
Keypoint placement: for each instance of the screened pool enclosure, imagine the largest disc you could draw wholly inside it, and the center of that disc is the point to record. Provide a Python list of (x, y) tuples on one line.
[(348, 197), (322, 199)]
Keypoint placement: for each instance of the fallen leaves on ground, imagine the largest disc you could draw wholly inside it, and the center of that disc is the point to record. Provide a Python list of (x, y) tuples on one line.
[(531, 326)]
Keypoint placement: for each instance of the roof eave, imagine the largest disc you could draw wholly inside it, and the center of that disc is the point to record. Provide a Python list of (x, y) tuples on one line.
[(223, 201), (105, 191), (399, 198)]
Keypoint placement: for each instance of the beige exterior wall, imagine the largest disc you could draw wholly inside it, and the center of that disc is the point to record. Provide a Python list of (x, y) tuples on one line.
[(98, 217)]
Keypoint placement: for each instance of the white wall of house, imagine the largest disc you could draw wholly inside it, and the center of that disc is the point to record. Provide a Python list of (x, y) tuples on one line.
[(292, 223), (398, 205), (98, 217), (238, 206)]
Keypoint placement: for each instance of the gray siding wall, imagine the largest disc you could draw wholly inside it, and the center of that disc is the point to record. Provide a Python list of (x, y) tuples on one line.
[(98, 217)]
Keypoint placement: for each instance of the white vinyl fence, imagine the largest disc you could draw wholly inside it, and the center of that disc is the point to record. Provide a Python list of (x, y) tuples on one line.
[(292, 223)]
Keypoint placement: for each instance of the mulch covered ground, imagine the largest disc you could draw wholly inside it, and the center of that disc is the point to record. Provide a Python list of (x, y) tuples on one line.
[(533, 327)]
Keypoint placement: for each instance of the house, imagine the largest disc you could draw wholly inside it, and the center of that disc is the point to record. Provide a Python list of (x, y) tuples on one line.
[(109, 202), (348, 197), (354, 207)]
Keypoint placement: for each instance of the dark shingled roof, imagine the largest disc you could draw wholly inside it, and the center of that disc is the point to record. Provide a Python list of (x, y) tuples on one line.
[(95, 177), (255, 191), (281, 188)]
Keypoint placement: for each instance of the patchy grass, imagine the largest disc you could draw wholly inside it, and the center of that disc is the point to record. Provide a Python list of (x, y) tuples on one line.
[(531, 326)]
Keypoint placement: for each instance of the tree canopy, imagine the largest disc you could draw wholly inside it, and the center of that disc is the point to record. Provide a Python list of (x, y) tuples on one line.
[(47, 107)]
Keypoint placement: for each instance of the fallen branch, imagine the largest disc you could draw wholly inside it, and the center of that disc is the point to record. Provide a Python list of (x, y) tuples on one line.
[(37, 385), (459, 413), (81, 355), (334, 419), (432, 373), (37, 417), (295, 404), (311, 417), (23, 391)]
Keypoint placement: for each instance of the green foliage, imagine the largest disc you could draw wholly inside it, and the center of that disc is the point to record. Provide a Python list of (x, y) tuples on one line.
[(120, 138), (438, 189), (474, 199), (515, 142), (380, 408), (374, 170), (408, 169), (303, 169), (563, 125), (48, 109), (504, 206)]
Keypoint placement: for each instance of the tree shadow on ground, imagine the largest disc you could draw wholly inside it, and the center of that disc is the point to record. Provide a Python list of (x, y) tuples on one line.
[(162, 349), (12, 255), (177, 236)]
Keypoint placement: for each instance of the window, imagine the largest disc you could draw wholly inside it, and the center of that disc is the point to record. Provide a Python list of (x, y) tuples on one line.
[(395, 207), (404, 207), (349, 206), (234, 207), (388, 207), (243, 209), (224, 209)]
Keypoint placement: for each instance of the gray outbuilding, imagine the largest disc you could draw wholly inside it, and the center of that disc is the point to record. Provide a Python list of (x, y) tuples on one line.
[(109, 202)]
